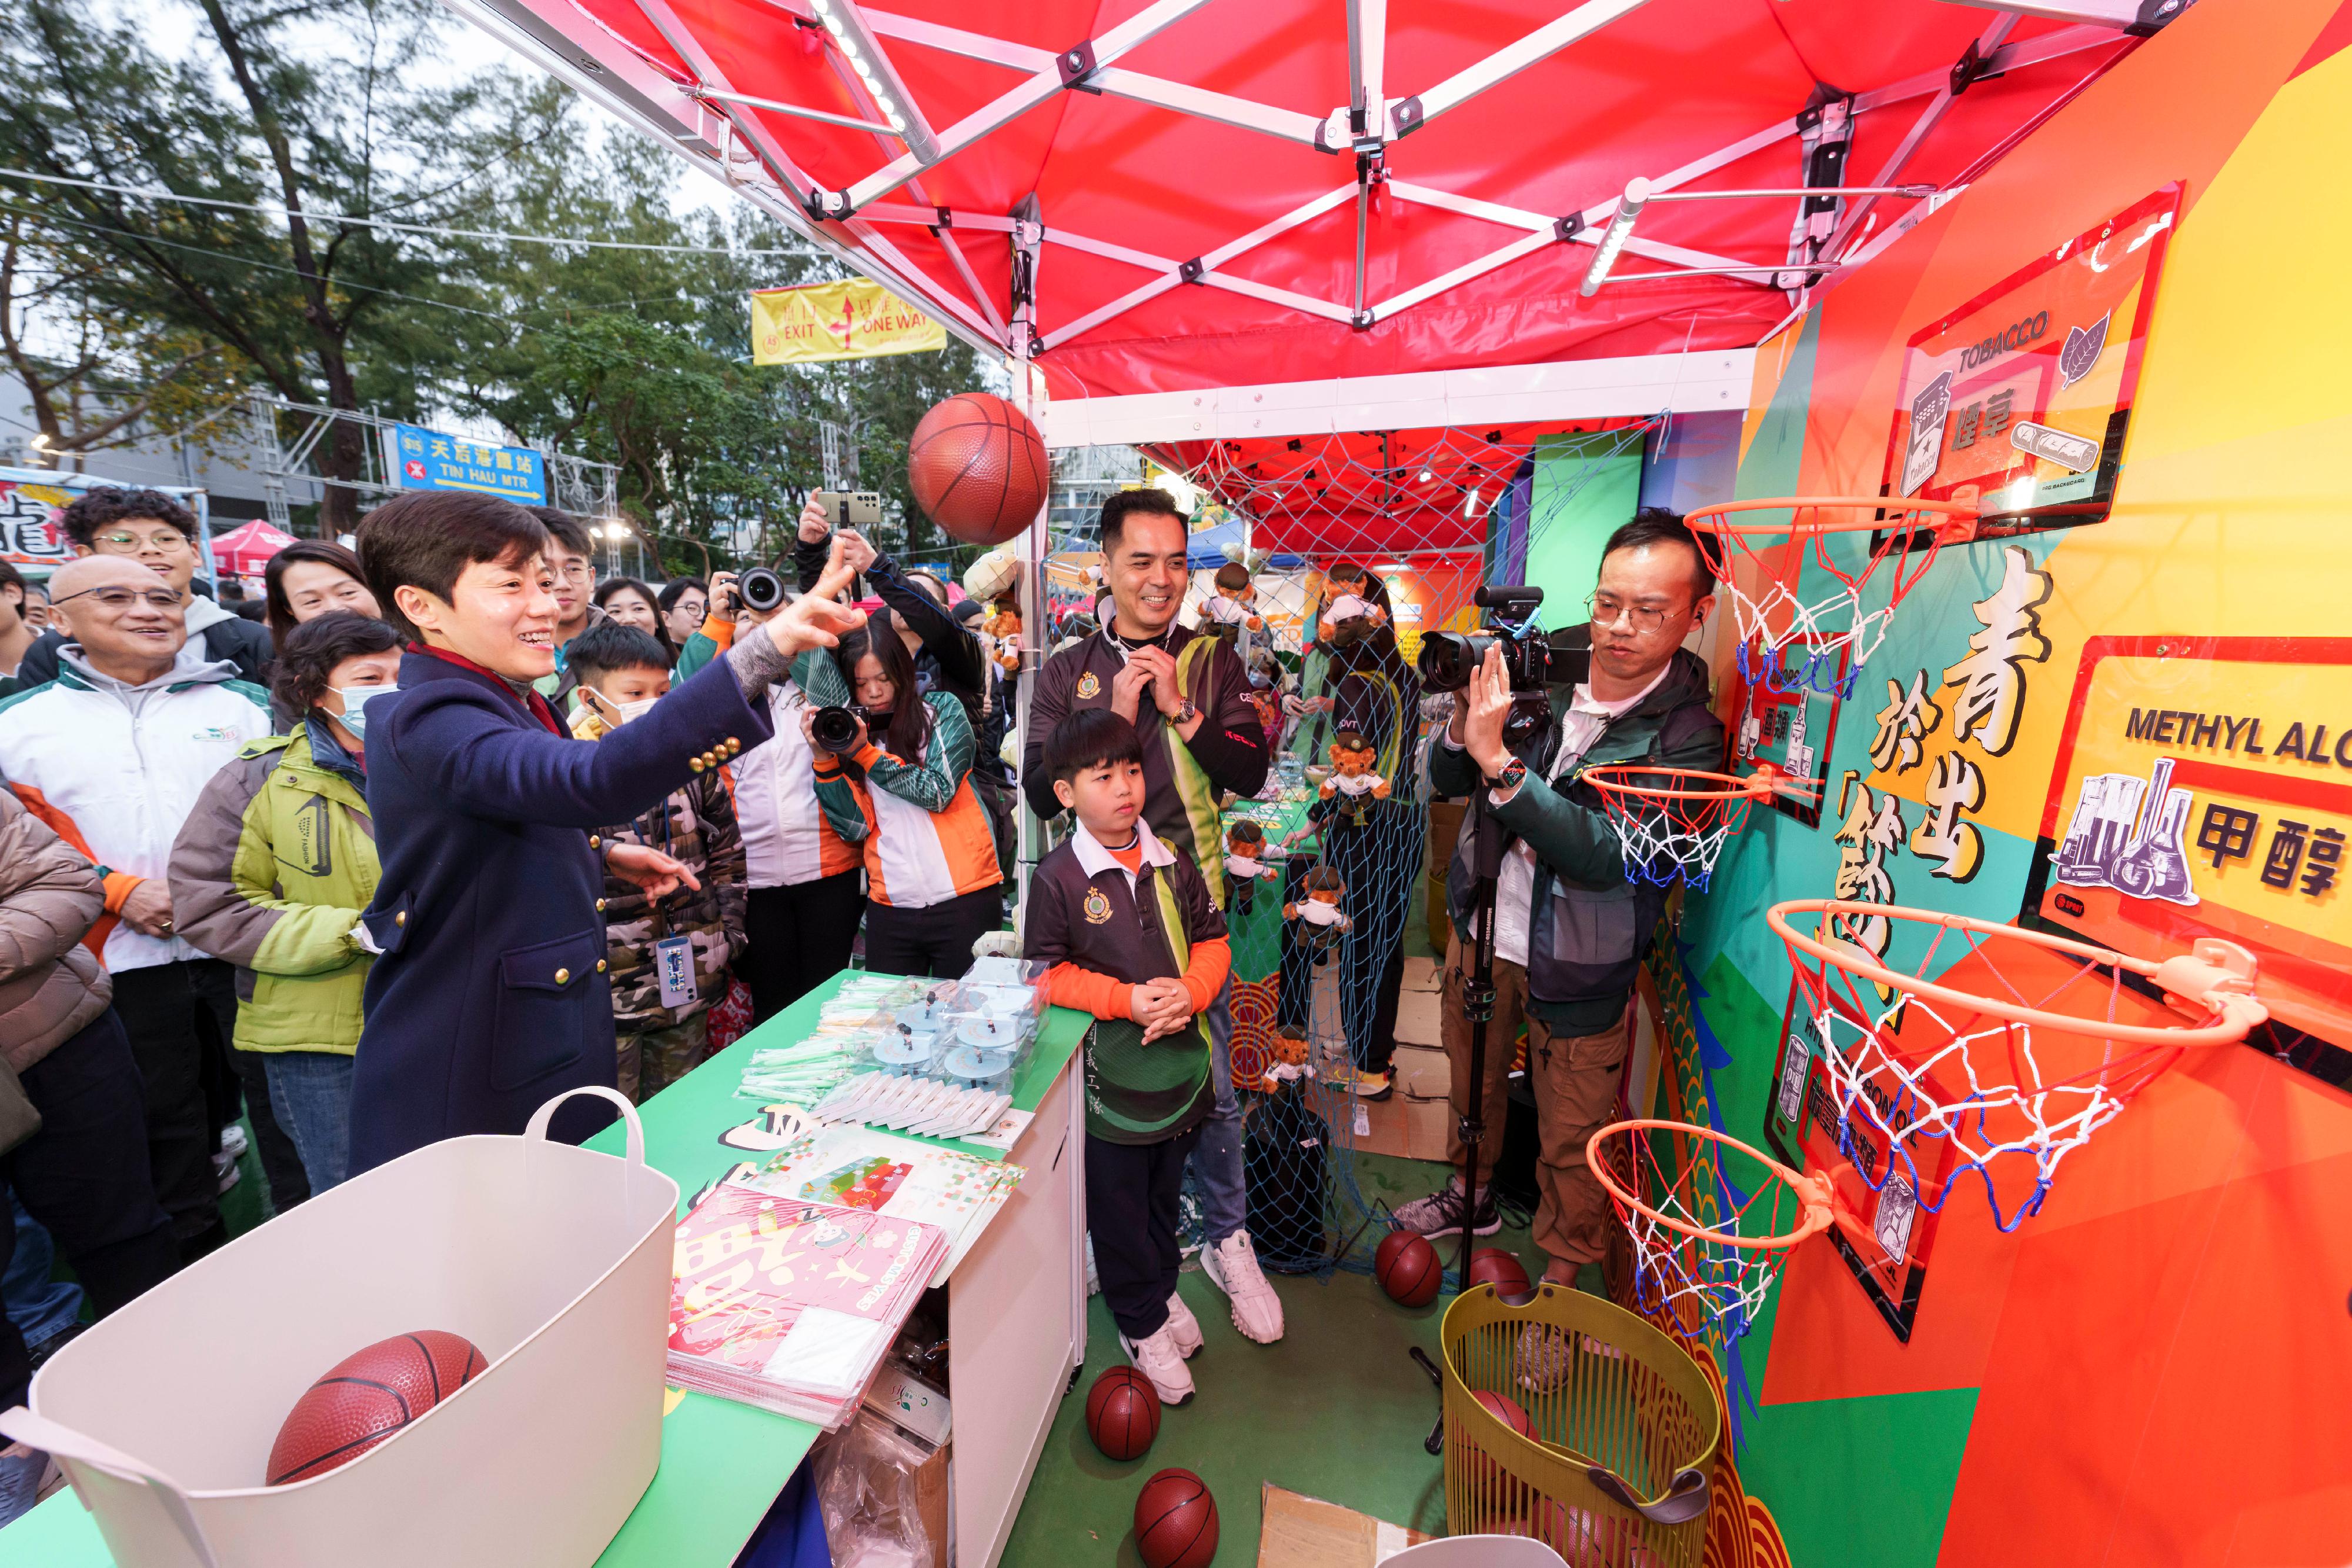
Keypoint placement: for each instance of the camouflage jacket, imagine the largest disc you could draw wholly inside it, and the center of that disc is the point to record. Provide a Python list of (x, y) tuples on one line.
[(700, 831)]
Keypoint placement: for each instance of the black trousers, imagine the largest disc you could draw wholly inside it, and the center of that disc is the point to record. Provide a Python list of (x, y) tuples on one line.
[(84, 1177), (934, 940), (1133, 1197), (797, 937)]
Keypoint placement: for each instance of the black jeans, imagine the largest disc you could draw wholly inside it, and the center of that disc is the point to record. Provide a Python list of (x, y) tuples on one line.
[(84, 1177), (1133, 1193), (934, 940), (797, 937)]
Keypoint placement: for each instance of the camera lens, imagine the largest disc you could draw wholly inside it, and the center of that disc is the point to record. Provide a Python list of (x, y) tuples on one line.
[(761, 589), (834, 729), (1448, 659)]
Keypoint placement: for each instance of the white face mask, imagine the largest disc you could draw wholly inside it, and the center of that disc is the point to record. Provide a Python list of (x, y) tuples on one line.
[(624, 712), (355, 701)]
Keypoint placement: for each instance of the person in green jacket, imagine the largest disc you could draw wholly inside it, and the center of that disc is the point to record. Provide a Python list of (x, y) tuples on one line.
[(273, 867)]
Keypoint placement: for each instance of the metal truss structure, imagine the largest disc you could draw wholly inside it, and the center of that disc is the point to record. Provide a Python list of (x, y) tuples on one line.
[(735, 136)]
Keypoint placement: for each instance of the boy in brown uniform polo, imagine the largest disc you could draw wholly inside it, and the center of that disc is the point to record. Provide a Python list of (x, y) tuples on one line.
[(1135, 940)]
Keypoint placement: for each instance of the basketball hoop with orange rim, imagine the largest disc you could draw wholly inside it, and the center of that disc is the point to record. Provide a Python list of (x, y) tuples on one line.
[(1711, 1233), (1797, 583), (2014, 1074), (1673, 822)]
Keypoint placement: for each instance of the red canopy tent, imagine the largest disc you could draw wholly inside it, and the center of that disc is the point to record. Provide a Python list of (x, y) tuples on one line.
[(246, 551), (1180, 194)]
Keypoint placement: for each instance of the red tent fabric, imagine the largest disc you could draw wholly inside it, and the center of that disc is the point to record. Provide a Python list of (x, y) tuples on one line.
[(246, 551), (1183, 249)]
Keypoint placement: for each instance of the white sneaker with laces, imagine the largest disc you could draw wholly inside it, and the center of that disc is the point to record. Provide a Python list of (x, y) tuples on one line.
[(1157, 1359), (233, 1141), (1231, 1266), (1183, 1325)]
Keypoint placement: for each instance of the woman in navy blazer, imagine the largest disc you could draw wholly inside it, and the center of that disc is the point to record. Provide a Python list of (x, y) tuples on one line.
[(491, 996)]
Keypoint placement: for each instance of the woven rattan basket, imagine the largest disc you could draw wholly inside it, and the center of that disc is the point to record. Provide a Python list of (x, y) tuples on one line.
[(1622, 1430)]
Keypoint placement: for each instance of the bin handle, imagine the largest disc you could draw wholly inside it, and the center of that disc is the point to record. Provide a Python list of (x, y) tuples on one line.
[(1686, 1495), (40, 1432), (546, 1113)]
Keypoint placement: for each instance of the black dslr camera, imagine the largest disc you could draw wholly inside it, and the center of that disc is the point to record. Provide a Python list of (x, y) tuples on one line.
[(1448, 659), (834, 729)]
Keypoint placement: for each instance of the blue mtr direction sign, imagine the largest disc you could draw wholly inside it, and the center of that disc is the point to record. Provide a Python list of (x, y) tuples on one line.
[(422, 459)]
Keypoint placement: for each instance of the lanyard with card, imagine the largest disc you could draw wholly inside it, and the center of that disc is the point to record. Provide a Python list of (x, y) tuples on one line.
[(674, 965)]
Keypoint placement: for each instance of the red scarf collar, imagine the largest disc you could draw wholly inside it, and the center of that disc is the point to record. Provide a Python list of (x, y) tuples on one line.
[(537, 706)]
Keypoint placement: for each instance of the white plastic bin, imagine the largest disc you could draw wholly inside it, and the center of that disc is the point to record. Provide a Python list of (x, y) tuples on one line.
[(553, 1260)]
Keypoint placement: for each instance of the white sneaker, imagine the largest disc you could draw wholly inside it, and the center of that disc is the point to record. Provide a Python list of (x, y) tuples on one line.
[(233, 1140), (1183, 1325), (1231, 1266), (227, 1174), (1157, 1359)]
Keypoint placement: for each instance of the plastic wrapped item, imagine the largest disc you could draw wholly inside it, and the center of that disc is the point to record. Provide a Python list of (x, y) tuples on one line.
[(870, 1478), (906, 1052), (968, 1067)]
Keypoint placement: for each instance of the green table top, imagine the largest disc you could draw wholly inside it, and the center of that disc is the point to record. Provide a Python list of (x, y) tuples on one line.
[(722, 1463)]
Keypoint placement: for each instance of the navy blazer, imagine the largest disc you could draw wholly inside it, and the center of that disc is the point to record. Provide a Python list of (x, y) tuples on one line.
[(491, 995)]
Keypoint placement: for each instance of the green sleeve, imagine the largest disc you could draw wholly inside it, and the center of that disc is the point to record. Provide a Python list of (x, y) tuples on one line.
[(1451, 771), (1578, 842), (837, 798), (698, 651), (947, 758)]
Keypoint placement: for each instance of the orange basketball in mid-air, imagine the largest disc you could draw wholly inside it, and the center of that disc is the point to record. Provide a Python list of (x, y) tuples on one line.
[(978, 468), (366, 1397)]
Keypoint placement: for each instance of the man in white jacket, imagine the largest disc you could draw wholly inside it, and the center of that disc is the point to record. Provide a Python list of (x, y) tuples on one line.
[(112, 754)]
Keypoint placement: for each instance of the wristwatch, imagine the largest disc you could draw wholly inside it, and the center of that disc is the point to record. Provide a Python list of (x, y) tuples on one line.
[(1186, 712), (1514, 774)]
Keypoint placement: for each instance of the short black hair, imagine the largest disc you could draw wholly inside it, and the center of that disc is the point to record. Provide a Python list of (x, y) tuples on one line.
[(1090, 737), (306, 660), (567, 529), (608, 647), (678, 589), (108, 505), (1657, 526), (1124, 504), (428, 537), (11, 578)]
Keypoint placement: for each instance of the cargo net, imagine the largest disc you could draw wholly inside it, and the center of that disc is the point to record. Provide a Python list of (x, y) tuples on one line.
[(1815, 581), (1931, 1086), (1341, 552), (1712, 1221)]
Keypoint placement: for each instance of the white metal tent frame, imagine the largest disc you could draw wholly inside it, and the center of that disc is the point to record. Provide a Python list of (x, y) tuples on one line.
[(707, 119)]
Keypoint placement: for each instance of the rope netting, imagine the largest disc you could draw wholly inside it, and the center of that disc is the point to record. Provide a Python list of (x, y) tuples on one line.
[(1673, 822), (2002, 1085), (1712, 1220), (1325, 559)]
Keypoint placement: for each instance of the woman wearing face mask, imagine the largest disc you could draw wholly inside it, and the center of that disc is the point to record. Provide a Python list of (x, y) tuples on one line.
[(901, 789), (275, 864)]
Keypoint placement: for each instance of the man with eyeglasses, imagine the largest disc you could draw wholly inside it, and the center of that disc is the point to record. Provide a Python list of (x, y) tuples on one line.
[(571, 570), (1569, 928), (152, 530), (113, 755)]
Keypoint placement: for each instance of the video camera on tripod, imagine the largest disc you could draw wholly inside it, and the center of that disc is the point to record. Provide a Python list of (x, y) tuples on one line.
[(1448, 659)]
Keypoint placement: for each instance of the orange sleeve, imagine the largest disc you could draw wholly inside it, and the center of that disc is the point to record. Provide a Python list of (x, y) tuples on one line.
[(1212, 961), (1089, 991), (720, 630), (119, 884)]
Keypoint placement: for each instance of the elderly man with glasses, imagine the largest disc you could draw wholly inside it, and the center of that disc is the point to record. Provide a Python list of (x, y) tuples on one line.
[(1570, 927), (157, 532), (113, 755)]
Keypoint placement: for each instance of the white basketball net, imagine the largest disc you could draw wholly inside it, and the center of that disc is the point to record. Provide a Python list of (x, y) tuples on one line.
[(1676, 1269), (1666, 842), (2008, 1111), (1673, 1269)]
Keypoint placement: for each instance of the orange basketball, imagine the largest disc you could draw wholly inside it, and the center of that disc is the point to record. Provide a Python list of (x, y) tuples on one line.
[(1511, 1414), (978, 468), (1500, 1268), (1175, 1521), (1123, 1413), (1408, 1269), (366, 1397)]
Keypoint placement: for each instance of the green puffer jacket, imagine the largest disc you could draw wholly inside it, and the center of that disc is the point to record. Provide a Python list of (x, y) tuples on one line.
[(270, 873)]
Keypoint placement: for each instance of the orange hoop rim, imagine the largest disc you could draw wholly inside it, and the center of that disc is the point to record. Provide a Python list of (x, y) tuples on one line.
[(2221, 990), (1760, 784), (1716, 520), (1812, 1191)]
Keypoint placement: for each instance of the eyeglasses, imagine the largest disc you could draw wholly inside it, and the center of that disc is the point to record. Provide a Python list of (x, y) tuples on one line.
[(120, 597), (164, 540), (1606, 610)]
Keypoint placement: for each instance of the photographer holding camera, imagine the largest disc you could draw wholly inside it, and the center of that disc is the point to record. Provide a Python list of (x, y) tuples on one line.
[(1569, 928)]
